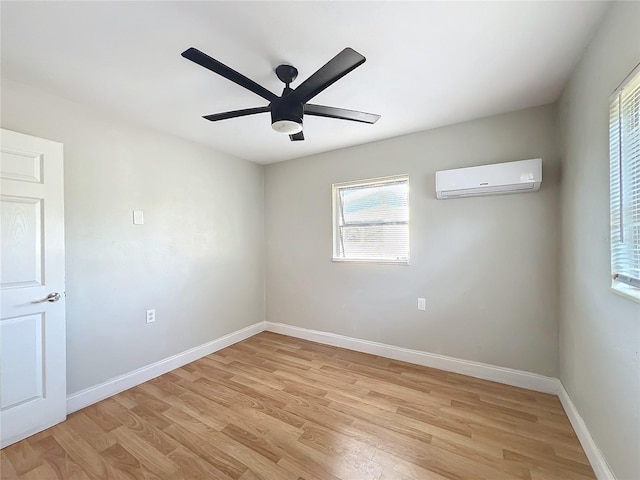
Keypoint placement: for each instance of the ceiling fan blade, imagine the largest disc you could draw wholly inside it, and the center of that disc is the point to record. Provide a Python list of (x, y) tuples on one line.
[(341, 113), (331, 72), (297, 136), (214, 117), (215, 66)]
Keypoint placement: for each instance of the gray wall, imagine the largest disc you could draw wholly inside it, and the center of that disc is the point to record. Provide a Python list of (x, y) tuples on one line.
[(486, 265), (198, 260), (599, 330)]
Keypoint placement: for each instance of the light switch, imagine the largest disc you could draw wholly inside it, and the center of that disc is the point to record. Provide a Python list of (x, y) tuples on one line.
[(422, 304), (138, 217)]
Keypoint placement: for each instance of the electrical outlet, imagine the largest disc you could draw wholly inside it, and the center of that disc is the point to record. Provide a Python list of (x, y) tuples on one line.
[(422, 304), (151, 316)]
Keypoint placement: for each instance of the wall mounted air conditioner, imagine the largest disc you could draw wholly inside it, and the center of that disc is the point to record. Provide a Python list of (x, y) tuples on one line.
[(497, 179)]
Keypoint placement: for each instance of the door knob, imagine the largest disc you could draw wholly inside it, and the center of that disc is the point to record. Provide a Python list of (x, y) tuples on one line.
[(52, 297)]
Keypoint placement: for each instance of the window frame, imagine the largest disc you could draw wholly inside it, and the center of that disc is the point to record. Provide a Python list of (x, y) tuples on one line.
[(335, 188), (624, 288)]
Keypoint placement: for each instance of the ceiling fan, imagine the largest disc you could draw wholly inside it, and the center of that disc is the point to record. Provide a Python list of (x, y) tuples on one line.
[(288, 109)]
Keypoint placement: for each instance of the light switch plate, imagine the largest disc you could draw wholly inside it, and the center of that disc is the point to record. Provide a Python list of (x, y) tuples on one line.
[(138, 217), (422, 304)]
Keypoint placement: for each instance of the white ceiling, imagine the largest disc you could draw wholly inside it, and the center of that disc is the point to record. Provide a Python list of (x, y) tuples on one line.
[(429, 64)]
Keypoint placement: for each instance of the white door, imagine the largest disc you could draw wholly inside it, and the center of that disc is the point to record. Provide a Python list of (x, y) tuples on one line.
[(32, 303)]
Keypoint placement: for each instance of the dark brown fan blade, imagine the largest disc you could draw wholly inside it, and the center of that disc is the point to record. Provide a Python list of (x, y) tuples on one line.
[(341, 113), (214, 117), (297, 136), (331, 72), (215, 66)]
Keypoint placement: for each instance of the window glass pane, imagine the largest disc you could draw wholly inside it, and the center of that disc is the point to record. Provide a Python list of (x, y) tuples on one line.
[(384, 242), (383, 203), (624, 147), (371, 220)]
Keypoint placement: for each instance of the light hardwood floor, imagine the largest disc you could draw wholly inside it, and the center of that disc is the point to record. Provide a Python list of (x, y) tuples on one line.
[(275, 407)]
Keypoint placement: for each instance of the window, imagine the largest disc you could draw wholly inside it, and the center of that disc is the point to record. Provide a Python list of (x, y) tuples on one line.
[(371, 220), (624, 146)]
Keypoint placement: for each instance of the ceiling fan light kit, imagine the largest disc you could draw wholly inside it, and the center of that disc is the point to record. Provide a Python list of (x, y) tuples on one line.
[(288, 127), (288, 109)]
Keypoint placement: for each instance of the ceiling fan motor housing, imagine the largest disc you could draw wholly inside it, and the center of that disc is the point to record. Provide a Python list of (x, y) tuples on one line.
[(288, 108)]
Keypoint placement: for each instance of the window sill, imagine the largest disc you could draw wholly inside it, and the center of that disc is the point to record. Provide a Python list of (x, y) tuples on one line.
[(367, 260), (626, 291)]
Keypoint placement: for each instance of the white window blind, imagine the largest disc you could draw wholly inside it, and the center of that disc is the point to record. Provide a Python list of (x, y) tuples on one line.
[(371, 220), (624, 146)]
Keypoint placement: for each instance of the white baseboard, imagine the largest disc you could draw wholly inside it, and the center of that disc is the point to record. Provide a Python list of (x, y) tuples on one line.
[(91, 395), (596, 458), (508, 376)]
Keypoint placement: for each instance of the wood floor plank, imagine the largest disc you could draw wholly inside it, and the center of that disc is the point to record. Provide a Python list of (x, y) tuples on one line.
[(200, 446), (154, 460), (332, 443), (91, 432), (7, 472), (571, 451), (40, 473), (177, 403), (101, 417), (254, 442), (271, 418), (565, 464), (79, 450), (124, 462), (194, 467), (22, 457), (311, 463), (257, 463), (63, 466), (396, 426), (396, 467), (279, 408)]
